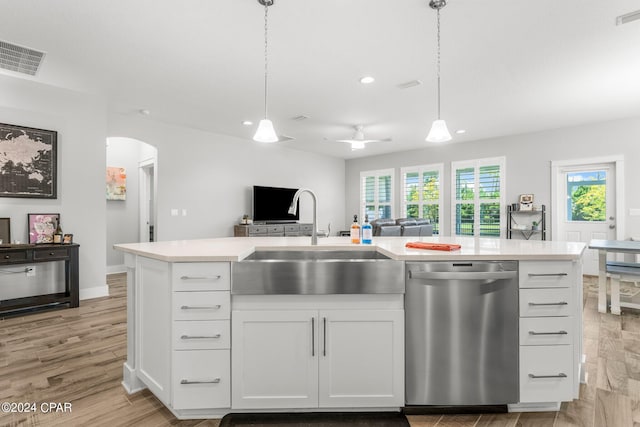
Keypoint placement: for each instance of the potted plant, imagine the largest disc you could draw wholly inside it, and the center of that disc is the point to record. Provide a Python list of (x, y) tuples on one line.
[(534, 225)]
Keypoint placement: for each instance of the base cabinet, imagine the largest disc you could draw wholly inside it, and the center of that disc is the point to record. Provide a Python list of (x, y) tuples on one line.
[(317, 359)]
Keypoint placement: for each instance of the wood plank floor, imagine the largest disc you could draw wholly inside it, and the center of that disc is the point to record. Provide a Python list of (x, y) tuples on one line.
[(75, 356)]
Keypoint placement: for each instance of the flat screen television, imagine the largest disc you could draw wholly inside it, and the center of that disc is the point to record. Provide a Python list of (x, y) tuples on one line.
[(271, 204)]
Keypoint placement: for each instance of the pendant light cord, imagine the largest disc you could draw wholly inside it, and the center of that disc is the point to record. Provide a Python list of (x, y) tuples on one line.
[(266, 58), (438, 62)]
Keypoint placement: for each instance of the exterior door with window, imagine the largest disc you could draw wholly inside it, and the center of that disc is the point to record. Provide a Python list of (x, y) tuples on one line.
[(586, 205)]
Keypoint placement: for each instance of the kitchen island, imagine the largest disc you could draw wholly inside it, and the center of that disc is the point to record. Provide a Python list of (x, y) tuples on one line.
[(205, 351)]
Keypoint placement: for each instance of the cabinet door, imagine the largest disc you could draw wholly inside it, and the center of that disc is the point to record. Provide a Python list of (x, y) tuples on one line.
[(361, 358), (274, 359)]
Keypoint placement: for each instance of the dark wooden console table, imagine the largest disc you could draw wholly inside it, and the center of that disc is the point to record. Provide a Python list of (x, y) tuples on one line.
[(33, 254)]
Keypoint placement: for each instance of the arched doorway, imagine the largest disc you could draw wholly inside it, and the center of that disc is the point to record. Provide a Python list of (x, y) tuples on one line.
[(131, 218)]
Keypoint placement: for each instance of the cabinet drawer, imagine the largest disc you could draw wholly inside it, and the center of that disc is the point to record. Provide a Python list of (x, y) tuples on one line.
[(9, 257), (201, 276), (50, 253), (201, 334), (546, 330), (275, 229), (545, 302), (201, 305), (258, 229), (291, 228), (306, 228), (553, 364), (201, 379), (546, 274)]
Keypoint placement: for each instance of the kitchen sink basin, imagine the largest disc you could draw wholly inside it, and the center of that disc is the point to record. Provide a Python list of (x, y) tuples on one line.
[(314, 255), (317, 272)]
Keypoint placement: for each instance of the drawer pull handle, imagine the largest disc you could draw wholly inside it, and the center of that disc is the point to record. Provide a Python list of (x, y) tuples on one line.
[(7, 257), (52, 253), (200, 277), (549, 303), (201, 307), (213, 381), (560, 375), (547, 274), (199, 337), (548, 333)]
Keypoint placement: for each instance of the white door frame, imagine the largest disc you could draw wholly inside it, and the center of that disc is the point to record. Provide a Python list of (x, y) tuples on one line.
[(144, 183), (557, 185)]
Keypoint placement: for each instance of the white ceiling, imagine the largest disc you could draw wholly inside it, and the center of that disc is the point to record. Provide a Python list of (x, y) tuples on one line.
[(508, 66)]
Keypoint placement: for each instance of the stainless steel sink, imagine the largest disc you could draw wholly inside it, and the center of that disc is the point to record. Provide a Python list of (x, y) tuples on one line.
[(317, 272), (315, 255)]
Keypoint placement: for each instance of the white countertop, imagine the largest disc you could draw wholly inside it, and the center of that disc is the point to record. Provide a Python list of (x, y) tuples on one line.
[(238, 248)]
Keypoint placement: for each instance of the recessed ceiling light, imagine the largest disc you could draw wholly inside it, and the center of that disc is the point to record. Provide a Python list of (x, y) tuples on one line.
[(366, 80), (461, 131), (144, 112), (247, 122)]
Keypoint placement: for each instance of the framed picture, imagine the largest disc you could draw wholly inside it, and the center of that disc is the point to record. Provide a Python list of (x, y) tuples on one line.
[(42, 227), (28, 162), (5, 231), (526, 202), (116, 183), (67, 239)]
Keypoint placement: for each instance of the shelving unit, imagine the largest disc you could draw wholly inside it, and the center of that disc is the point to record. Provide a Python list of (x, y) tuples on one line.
[(525, 218)]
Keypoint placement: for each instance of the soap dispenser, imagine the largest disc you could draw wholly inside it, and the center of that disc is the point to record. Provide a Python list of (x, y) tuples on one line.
[(367, 231), (355, 230)]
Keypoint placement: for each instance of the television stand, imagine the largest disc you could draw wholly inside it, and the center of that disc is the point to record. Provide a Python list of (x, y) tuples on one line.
[(272, 230)]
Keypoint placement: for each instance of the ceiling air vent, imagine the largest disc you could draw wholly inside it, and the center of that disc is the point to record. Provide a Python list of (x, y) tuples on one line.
[(19, 59), (625, 19)]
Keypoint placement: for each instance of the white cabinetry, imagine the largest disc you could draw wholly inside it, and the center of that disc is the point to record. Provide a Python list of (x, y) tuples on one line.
[(184, 333), (312, 358), (201, 372), (153, 347), (550, 332)]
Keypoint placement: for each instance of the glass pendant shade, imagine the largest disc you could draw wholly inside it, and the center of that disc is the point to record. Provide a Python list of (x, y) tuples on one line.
[(439, 132), (266, 132)]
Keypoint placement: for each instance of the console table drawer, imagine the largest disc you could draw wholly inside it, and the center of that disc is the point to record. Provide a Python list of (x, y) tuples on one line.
[(11, 257), (45, 254)]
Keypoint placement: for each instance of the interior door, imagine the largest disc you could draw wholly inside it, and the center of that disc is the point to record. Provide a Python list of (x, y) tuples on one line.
[(586, 203)]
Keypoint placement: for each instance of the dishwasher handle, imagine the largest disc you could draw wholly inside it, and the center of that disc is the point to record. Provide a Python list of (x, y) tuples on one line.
[(462, 275)]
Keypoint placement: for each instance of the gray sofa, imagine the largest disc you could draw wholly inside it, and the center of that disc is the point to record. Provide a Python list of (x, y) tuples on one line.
[(402, 227)]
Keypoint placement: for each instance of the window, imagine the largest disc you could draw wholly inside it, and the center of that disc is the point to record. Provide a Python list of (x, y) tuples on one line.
[(478, 197), (422, 193), (586, 196), (376, 194)]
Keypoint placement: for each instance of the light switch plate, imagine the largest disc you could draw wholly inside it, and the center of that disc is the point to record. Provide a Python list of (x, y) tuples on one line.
[(634, 212), (174, 212)]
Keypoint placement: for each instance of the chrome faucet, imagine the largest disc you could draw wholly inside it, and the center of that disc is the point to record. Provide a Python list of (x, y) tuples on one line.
[(294, 208)]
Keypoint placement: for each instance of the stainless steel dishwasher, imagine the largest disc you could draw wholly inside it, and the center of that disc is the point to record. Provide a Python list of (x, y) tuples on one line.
[(461, 333)]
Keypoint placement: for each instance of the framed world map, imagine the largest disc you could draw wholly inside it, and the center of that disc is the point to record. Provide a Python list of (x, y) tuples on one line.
[(28, 159)]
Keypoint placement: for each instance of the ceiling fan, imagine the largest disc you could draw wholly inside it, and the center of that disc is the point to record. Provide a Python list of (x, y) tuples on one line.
[(358, 141)]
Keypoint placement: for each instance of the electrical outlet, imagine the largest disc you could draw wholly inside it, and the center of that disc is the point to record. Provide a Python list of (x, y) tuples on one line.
[(30, 270)]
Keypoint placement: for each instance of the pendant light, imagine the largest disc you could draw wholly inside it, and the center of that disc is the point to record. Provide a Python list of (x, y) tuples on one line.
[(265, 132), (439, 131)]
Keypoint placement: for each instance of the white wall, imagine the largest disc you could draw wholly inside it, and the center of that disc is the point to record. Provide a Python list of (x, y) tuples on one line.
[(528, 163), (80, 121), (211, 176)]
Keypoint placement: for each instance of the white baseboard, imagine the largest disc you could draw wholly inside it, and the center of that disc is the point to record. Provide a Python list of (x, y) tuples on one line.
[(111, 269), (95, 292)]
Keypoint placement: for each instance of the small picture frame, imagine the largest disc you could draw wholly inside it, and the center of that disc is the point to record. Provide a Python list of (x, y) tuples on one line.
[(526, 202), (67, 239), (42, 226)]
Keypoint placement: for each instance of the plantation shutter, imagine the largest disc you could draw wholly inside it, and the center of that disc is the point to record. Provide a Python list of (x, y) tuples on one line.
[(478, 197), (376, 194), (421, 193)]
